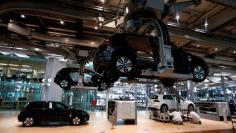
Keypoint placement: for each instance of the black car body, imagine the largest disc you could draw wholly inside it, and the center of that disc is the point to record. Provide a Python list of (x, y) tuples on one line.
[(42, 111), (139, 52), (64, 78)]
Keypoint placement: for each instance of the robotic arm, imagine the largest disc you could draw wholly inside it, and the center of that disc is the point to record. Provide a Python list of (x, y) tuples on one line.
[(145, 18)]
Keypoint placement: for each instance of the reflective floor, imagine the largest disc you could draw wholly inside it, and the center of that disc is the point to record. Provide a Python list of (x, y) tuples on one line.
[(99, 124)]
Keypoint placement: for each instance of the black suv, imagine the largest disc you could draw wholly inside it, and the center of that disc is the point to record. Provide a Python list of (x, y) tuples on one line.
[(127, 54), (41, 111)]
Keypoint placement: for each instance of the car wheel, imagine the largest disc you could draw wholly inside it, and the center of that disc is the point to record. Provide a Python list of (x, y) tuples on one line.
[(167, 82), (199, 72), (28, 121), (190, 108), (65, 84), (103, 86), (76, 121), (164, 108), (124, 64)]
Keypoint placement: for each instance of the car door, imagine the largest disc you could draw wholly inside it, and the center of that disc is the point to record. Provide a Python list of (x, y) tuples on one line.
[(60, 111), (50, 112), (170, 101), (43, 112), (184, 104)]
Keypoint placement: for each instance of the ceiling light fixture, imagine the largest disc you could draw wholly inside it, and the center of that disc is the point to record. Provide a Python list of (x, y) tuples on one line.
[(62, 22), (95, 27), (198, 45), (234, 52), (102, 1), (92, 43), (177, 16), (206, 24), (215, 49), (126, 10), (37, 49), (101, 18), (22, 16), (100, 24)]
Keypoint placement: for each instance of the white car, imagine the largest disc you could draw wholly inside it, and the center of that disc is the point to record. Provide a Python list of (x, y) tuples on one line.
[(168, 102)]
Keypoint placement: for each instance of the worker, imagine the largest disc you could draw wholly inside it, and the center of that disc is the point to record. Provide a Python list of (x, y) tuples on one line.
[(93, 103), (195, 118), (177, 118)]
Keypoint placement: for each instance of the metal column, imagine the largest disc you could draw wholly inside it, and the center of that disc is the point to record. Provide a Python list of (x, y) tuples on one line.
[(190, 92), (223, 87)]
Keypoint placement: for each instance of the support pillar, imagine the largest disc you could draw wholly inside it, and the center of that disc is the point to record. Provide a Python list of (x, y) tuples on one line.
[(223, 87), (107, 98), (190, 90), (51, 91)]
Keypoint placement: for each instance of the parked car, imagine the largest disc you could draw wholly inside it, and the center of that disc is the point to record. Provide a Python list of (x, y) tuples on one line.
[(42, 111), (168, 102), (68, 77), (127, 54)]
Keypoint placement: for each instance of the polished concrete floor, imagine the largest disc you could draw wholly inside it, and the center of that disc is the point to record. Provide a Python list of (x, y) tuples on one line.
[(99, 124)]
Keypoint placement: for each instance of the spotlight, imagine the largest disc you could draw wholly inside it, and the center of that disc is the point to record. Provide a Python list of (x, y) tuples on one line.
[(177, 17), (62, 22), (100, 24), (127, 10), (22, 16), (206, 24)]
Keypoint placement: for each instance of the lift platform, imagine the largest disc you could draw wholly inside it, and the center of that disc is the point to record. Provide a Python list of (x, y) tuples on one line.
[(176, 76), (157, 115)]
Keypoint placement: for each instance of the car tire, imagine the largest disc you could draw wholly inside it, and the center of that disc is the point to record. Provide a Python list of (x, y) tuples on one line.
[(28, 121), (199, 72), (190, 108), (75, 121), (124, 64), (65, 84), (103, 86), (164, 108), (167, 82)]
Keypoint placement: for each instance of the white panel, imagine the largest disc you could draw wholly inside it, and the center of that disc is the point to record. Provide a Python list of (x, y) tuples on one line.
[(126, 109)]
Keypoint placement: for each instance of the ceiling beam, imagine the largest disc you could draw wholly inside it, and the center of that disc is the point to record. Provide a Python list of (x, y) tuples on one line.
[(80, 12), (87, 42), (187, 43), (208, 14), (230, 3), (28, 45), (213, 52), (217, 21), (222, 41)]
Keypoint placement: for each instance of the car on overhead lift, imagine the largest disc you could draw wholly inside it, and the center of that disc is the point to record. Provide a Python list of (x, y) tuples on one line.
[(166, 103), (128, 54), (67, 77)]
